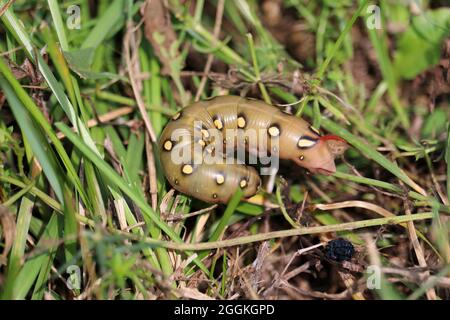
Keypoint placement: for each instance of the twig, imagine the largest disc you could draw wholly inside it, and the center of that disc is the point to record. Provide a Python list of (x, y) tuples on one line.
[(317, 294), (210, 59), (276, 234), (414, 276)]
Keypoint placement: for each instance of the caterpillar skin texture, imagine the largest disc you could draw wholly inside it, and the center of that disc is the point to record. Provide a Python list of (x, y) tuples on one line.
[(217, 182)]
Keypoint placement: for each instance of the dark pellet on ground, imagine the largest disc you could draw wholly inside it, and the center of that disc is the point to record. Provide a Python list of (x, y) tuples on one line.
[(339, 250)]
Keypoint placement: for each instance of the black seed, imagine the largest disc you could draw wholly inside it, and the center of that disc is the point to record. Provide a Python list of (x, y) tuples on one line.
[(339, 250)]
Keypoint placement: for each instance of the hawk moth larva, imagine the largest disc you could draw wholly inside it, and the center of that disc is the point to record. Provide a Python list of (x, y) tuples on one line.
[(194, 126)]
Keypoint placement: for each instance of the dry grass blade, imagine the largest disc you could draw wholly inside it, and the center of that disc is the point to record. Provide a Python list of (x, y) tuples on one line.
[(431, 293), (177, 217), (210, 59), (109, 116), (159, 31), (131, 59), (8, 223), (151, 172), (355, 204), (194, 294)]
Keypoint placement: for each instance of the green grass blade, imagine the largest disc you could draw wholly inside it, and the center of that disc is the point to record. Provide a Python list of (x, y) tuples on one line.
[(38, 142), (323, 67), (18, 249), (121, 184), (59, 25), (109, 20), (371, 153), (231, 207), (15, 28), (34, 265), (21, 98), (354, 141), (447, 159), (379, 43)]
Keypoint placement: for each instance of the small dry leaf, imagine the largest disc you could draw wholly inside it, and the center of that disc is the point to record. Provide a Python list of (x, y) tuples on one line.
[(194, 294)]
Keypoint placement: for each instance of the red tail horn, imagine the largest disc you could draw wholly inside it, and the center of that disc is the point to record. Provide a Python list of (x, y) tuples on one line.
[(332, 137)]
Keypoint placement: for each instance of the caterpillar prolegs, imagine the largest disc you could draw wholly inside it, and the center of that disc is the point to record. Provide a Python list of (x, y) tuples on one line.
[(202, 147)]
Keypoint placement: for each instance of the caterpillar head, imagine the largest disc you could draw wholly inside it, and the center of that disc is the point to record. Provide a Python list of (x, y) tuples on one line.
[(318, 155)]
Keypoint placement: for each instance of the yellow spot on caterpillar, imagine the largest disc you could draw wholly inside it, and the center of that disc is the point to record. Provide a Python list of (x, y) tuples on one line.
[(243, 183), (274, 131), (202, 143), (176, 116), (187, 169), (168, 145), (218, 123), (315, 130), (306, 143), (205, 133), (214, 195), (241, 122), (220, 179)]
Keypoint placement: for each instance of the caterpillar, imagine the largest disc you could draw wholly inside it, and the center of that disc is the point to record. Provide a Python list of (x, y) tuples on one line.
[(198, 146)]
